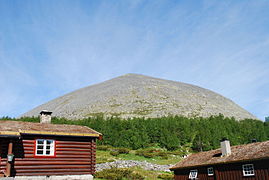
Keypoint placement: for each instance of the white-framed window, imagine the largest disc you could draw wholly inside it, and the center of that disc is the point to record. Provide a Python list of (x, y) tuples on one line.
[(44, 147), (248, 170), (193, 174), (210, 171)]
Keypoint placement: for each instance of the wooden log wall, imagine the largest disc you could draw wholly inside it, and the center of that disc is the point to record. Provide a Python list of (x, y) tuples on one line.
[(234, 171), (231, 171), (202, 174), (73, 156), (3, 155)]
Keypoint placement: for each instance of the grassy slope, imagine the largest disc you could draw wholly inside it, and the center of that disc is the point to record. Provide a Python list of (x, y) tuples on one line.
[(149, 175), (104, 156)]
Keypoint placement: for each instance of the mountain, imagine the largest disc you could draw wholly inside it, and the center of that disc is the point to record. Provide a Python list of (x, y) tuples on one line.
[(135, 95)]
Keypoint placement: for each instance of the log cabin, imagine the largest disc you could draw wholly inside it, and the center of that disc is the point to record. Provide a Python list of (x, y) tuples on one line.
[(45, 149), (246, 162)]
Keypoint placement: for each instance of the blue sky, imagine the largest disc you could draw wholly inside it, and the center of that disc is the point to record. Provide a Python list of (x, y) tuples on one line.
[(49, 48)]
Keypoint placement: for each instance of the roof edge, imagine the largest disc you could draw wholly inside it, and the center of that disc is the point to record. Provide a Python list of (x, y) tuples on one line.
[(11, 133), (60, 133), (225, 162)]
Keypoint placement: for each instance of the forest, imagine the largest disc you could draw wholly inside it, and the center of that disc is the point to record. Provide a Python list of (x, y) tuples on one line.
[(172, 133)]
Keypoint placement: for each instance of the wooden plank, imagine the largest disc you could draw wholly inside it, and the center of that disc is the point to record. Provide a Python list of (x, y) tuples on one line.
[(51, 163), (73, 142), (54, 167), (52, 159), (73, 146), (49, 170), (28, 140), (41, 163), (29, 148), (29, 145), (59, 156), (26, 151), (72, 153), (52, 173), (72, 149)]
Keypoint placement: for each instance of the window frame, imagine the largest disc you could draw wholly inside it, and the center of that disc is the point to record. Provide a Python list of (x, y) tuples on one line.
[(210, 171), (44, 155), (246, 171), (196, 174)]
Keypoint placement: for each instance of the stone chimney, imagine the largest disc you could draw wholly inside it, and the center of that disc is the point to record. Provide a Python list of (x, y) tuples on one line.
[(225, 147), (45, 116)]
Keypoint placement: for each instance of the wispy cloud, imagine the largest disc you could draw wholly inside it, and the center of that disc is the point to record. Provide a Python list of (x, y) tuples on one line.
[(48, 48)]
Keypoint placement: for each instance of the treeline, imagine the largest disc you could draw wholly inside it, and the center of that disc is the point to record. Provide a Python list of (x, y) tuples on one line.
[(171, 133)]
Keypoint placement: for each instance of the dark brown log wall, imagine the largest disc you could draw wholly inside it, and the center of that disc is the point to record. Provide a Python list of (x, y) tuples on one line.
[(228, 171), (73, 156), (183, 174), (234, 171), (3, 153)]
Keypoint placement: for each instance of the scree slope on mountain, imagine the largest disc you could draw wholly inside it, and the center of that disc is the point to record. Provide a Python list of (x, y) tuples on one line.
[(135, 95)]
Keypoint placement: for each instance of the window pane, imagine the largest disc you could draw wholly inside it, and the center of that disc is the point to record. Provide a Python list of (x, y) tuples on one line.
[(40, 141), (39, 152), (40, 147)]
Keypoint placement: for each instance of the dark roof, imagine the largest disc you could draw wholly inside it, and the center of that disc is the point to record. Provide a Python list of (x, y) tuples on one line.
[(17, 128), (45, 112), (253, 151)]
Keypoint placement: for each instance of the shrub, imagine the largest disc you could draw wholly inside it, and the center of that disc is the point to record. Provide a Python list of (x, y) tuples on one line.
[(114, 153), (166, 176), (117, 151), (163, 155), (103, 160), (152, 152), (103, 147), (122, 150), (109, 175), (148, 155), (178, 153), (141, 152), (136, 176), (118, 174)]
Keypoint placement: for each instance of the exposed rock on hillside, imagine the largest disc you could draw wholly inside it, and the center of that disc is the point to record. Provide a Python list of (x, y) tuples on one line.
[(131, 163), (135, 95)]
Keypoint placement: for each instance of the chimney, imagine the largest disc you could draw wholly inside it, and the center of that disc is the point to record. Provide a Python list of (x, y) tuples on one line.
[(225, 147), (45, 116)]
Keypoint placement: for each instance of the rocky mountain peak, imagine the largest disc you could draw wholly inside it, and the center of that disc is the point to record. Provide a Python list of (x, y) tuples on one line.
[(135, 95)]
